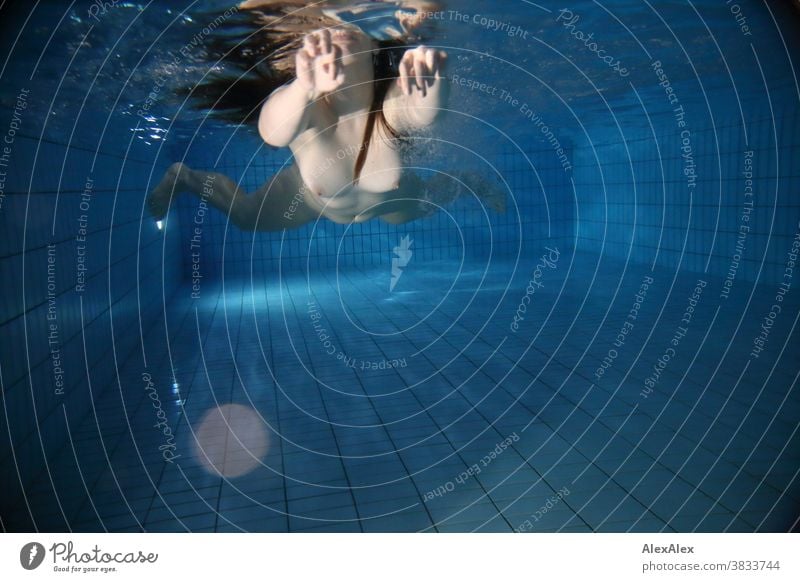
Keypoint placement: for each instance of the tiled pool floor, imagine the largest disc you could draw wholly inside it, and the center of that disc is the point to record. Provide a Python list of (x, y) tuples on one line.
[(332, 404)]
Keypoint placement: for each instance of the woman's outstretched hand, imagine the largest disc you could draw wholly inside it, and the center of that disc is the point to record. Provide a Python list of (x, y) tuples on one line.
[(318, 63), (420, 69)]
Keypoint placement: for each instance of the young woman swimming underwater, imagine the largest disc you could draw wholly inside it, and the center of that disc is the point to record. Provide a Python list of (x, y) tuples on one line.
[(313, 79)]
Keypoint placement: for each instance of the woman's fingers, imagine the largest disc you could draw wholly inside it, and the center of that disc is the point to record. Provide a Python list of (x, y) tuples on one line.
[(419, 76), (304, 62), (310, 45), (336, 72), (324, 50), (325, 40), (420, 67), (410, 73), (305, 68), (318, 43), (406, 69), (319, 62), (332, 63), (430, 60), (418, 60), (328, 72), (441, 58)]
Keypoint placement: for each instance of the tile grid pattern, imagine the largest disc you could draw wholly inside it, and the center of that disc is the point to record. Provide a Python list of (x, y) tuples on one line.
[(627, 464)]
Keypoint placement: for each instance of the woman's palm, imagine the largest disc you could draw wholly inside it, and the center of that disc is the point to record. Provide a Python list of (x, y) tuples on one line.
[(318, 64)]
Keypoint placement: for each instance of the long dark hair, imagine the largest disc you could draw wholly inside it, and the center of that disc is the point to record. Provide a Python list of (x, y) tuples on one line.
[(255, 49)]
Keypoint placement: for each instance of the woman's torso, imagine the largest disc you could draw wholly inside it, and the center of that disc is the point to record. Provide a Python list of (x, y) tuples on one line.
[(326, 161)]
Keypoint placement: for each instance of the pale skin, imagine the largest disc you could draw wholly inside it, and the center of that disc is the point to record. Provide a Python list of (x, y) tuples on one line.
[(321, 116)]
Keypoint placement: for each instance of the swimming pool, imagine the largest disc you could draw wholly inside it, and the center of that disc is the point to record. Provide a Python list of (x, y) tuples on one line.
[(615, 352)]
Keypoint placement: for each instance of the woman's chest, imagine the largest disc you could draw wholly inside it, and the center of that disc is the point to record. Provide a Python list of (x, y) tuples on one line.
[(328, 162)]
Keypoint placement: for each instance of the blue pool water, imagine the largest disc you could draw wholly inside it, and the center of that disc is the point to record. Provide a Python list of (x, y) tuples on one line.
[(616, 352)]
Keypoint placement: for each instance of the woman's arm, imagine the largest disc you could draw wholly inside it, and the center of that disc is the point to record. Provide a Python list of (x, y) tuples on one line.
[(421, 91), (287, 112), (285, 115)]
